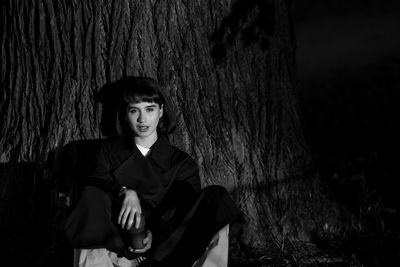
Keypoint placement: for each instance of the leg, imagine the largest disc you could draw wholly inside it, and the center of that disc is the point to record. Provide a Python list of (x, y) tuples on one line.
[(213, 210), (91, 258), (100, 257), (216, 254)]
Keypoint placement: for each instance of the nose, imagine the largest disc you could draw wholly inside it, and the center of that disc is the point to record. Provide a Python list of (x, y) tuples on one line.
[(141, 117)]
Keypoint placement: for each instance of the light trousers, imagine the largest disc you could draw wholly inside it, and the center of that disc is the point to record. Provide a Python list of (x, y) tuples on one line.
[(216, 255)]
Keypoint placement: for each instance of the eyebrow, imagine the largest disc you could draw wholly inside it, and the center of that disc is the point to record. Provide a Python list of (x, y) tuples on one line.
[(148, 106)]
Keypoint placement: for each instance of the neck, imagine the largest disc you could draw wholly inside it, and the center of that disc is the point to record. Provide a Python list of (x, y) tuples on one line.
[(146, 141)]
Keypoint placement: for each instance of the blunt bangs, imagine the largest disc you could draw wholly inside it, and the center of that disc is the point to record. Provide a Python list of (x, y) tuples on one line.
[(135, 90), (142, 93)]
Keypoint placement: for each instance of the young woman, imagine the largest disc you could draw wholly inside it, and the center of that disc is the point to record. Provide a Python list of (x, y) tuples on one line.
[(140, 178)]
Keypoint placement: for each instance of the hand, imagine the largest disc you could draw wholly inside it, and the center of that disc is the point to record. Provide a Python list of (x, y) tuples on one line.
[(147, 242), (130, 210)]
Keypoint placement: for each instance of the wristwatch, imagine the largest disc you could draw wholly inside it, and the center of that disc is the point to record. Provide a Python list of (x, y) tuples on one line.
[(122, 190)]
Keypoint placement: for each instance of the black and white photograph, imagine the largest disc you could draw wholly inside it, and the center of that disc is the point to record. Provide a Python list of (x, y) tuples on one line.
[(189, 133)]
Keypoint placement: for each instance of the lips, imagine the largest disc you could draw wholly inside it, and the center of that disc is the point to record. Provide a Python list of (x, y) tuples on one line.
[(143, 128)]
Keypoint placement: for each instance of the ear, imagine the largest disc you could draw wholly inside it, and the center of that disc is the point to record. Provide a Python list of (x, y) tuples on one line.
[(161, 110)]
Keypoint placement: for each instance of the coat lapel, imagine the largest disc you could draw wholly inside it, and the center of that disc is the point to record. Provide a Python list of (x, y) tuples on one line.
[(161, 153), (121, 151), (146, 175)]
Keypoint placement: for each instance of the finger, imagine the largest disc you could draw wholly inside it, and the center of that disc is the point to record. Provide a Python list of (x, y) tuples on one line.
[(144, 249), (148, 246), (138, 216), (121, 214), (130, 220), (149, 237), (147, 242), (140, 250), (125, 217)]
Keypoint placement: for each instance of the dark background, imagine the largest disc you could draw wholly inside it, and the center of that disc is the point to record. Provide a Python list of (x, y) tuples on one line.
[(348, 68), (348, 71)]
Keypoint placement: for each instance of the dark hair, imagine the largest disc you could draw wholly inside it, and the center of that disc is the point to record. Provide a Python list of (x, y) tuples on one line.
[(136, 90)]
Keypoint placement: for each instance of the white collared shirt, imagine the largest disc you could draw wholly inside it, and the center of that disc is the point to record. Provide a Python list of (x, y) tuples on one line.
[(144, 150)]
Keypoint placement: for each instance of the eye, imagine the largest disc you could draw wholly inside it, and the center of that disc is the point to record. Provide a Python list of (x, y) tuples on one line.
[(150, 109), (132, 110)]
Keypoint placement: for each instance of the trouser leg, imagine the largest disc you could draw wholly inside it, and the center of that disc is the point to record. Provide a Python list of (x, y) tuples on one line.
[(216, 254), (92, 258), (100, 257), (215, 210)]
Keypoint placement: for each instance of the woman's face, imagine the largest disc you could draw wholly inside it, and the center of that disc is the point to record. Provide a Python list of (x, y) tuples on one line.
[(143, 118)]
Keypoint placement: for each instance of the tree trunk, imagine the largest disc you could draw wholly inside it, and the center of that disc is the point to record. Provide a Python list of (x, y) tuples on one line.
[(227, 68)]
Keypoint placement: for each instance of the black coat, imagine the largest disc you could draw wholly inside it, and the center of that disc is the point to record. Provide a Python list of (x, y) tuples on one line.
[(118, 163), (180, 216)]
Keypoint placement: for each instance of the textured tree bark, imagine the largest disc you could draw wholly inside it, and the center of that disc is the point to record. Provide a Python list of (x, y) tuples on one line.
[(227, 68)]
